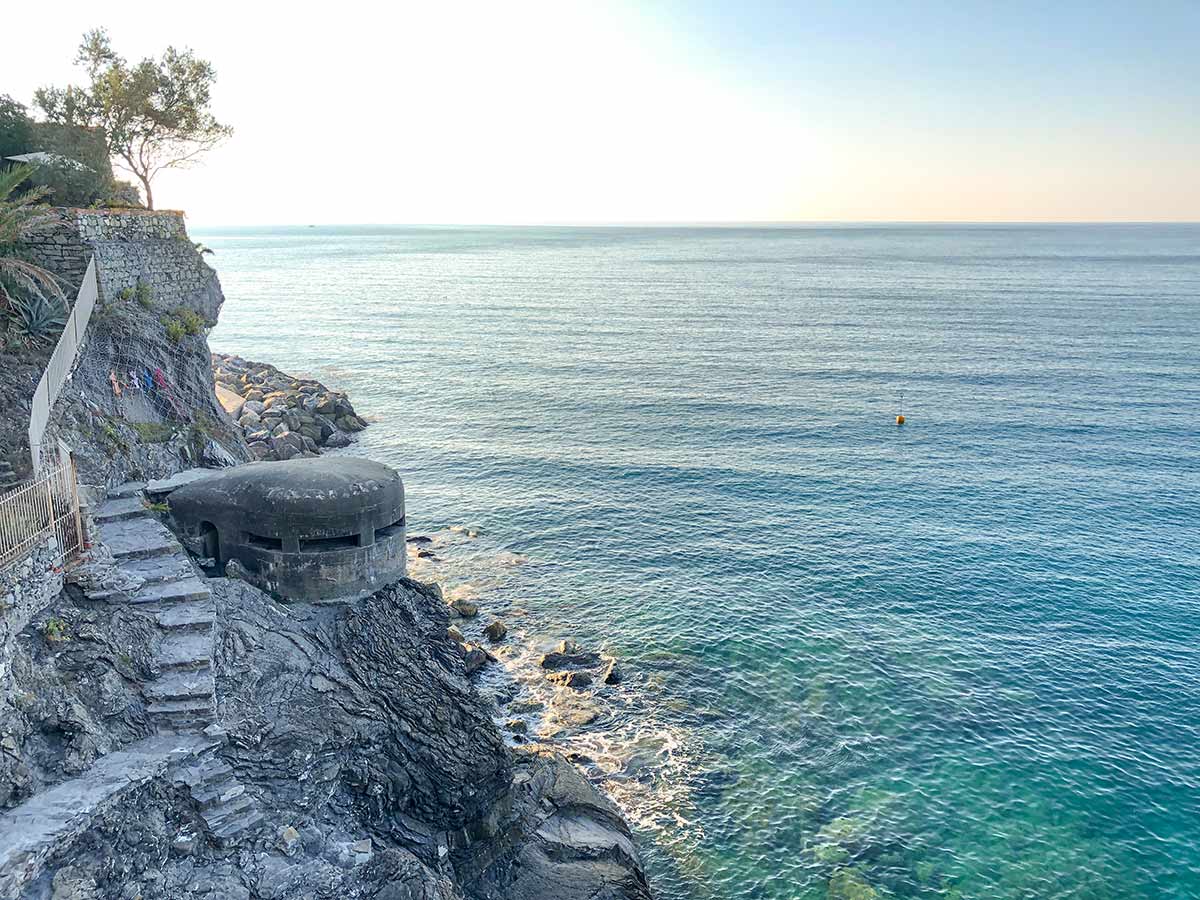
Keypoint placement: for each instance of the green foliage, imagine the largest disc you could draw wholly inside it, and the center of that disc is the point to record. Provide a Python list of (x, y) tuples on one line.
[(55, 629), (16, 128), (175, 329), (160, 506), (155, 113), (68, 183), (144, 294), (153, 432), (112, 437), (201, 430), (182, 322), (37, 318), (126, 293), (192, 322)]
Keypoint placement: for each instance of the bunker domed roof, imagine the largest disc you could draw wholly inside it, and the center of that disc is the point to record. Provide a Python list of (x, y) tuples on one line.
[(307, 497)]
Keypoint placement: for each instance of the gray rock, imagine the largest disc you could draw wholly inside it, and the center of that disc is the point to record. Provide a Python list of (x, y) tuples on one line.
[(569, 655), (496, 631), (476, 658), (612, 673), (570, 678)]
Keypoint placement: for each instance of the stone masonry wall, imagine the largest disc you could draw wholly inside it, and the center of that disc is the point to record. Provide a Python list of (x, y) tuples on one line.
[(25, 588), (62, 251), (130, 246)]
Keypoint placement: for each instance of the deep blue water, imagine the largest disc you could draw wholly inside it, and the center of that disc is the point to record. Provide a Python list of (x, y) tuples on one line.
[(955, 659)]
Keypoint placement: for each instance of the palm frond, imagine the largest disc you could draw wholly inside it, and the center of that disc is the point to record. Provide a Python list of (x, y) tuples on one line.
[(11, 178)]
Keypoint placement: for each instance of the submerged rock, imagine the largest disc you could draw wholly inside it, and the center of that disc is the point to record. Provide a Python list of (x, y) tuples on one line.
[(569, 654), (612, 673), (572, 679)]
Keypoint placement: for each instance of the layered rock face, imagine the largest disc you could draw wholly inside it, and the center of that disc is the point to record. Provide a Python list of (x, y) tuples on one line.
[(358, 721)]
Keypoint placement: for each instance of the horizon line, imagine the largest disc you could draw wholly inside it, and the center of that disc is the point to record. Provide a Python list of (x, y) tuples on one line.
[(715, 223)]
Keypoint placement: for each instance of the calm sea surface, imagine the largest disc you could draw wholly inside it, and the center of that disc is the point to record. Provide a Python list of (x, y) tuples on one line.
[(955, 659)]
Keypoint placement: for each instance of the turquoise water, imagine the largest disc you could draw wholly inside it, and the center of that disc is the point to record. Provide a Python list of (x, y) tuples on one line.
[(955, 659)]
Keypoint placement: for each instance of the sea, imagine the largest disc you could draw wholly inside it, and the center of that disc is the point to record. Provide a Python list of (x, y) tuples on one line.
[(955, 658)]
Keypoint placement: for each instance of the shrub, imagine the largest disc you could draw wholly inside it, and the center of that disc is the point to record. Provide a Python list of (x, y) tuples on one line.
[(71, 183), (145, 294), (192, 323), (175, 329), (125, 293)]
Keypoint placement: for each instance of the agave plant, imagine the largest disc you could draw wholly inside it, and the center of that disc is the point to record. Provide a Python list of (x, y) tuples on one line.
[(21, 217), (38, 318)]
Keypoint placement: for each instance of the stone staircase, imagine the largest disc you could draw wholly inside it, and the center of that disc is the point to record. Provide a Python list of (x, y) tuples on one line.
[(160, 579), (227, 810), (154, 573)]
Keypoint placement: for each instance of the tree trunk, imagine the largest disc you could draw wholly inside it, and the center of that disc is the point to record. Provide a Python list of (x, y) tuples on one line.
[(149, 193)]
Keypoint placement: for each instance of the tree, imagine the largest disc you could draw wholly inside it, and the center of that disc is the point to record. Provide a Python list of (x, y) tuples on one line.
[(16, 128), (155, 114)]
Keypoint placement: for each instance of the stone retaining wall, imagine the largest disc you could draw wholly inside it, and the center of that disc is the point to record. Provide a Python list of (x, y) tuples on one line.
[(130, 246)]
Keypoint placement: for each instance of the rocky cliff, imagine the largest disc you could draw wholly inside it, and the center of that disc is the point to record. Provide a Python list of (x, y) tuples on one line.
[(352, 728), (141, 402)]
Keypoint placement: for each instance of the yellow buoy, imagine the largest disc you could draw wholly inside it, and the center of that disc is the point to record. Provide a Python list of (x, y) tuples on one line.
[(899, 420)]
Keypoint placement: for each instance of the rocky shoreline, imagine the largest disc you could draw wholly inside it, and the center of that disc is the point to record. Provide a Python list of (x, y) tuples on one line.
[(281, 416)]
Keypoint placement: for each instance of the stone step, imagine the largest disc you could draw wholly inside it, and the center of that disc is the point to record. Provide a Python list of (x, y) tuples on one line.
[(210, 775), (198, 616), (232, 812), (178, 716), (172, 591), (159, 568), (196, 705), (137, 538), (180, 686), (185, 650), (128, 489), (162, 486), (223, 813), (123, 508)]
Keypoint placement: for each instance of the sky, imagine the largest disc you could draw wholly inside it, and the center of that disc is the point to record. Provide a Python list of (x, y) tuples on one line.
[(615, 111)]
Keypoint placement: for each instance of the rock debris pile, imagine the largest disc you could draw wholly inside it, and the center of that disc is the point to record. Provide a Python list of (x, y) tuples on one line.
[(281, 416)]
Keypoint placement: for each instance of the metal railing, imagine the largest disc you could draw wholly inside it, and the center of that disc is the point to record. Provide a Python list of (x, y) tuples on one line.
[(62, 360), (44, 507)]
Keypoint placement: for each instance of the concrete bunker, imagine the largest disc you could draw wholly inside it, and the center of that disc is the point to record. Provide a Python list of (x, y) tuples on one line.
[(304, 529)]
